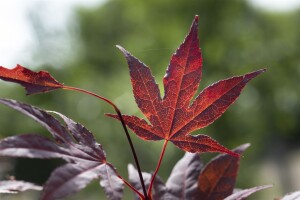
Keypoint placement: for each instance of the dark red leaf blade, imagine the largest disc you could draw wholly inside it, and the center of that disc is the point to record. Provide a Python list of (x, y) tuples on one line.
[(213, 101), (217, 179), (71, 178), (200, 143), (14, 186), (32, 146), (113, 186), (84, 137), (182, 183), (174, 116), (243, 194), (34, 82), (74, 143), (50, 123), (159, 189)]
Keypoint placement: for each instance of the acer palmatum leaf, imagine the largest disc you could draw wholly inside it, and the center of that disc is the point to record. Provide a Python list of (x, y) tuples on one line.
[(34, 82), (173, 117), (38, 82), (134, 180), (160, 190), (182, 183), (87, 160), (183, 180), (243, 194), (14, 186), (217, 179)]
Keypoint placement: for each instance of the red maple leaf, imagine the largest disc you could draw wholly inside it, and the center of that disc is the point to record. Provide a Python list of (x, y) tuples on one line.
[(34, 82), (174, 116)]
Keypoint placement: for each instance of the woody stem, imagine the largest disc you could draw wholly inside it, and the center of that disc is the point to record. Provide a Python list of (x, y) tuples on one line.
[(125, 130)]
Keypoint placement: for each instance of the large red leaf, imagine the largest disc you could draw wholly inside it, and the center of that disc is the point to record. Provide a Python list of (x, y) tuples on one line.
[(73, 143), (34, 82), (174, 116), (14, 186), (217, 179)]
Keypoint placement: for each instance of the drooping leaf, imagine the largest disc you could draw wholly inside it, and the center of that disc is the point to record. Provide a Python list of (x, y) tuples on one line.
[(58, 132), (292, 196), (34, 82), (243, 194), (217, 179), (73, 143), (14, 186), (183, 181), (173, 117)]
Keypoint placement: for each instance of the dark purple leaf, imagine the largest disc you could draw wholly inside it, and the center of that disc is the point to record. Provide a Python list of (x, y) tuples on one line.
[(217, 179), (134, 179), (243, 194), (182, 183), (59, 132), (159, 189), (83, 136), (32, 146), (113, 186), (292, 196), (71, 178), (13, 186), (74, 143)]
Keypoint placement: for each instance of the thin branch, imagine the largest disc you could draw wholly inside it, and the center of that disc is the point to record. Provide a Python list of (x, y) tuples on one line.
[(157, 168), (124, 127), (132, 188)]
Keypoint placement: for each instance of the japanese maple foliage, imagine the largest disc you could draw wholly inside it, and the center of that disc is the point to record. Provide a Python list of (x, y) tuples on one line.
[(73, 143), (191, 180), (172, 118), (34, 82)]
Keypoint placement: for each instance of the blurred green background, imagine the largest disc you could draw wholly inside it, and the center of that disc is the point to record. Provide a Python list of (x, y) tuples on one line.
[(235, 38)]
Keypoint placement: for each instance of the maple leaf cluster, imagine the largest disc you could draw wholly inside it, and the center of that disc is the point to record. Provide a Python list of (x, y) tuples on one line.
[(171, 118)]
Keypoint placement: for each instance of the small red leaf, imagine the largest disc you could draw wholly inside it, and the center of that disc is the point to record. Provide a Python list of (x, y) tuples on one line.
[(34, 82), (217, 179), (243, 194), (13, 186), (174, 116)]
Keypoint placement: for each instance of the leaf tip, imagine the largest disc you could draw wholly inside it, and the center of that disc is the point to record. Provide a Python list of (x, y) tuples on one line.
[(124, 51), (196, 19)]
